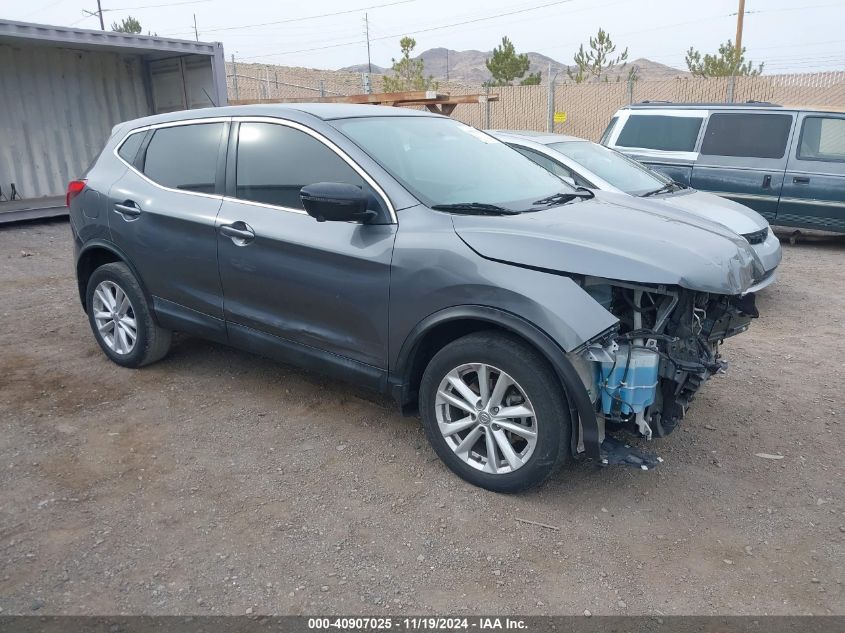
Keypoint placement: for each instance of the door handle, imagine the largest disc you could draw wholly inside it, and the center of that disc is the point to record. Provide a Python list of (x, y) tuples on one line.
[(767, 181), (240, 232), (801, 180), (128, 209)]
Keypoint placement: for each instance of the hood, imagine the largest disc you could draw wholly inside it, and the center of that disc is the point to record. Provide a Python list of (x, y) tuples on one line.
[(610, 237), (738, 218)]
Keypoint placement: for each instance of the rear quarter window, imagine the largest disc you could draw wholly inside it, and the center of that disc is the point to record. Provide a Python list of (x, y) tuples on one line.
[(748, 135), (129, 149), (661, 132)]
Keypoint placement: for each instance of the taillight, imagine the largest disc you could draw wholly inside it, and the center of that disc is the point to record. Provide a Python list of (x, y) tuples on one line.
[(74, 188)]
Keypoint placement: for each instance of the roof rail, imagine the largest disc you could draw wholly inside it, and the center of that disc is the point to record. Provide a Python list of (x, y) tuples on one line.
[(705, 104)]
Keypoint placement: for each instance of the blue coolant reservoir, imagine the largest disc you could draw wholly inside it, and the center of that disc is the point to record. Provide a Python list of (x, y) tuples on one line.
[(628, 385)]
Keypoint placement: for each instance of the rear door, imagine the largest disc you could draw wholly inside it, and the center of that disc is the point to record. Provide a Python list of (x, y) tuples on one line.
[(814, 188), (743, 158), (162, 213)]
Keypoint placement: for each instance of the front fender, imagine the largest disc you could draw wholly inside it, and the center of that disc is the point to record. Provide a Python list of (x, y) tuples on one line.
[(577, 397), (434, 273)]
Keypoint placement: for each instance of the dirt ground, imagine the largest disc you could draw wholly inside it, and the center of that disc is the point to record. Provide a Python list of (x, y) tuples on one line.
[(215, 482)]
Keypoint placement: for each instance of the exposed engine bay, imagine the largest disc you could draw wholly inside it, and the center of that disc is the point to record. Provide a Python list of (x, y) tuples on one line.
[(642, 377)]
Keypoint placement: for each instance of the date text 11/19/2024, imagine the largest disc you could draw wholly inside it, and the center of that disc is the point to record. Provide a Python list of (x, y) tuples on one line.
[(416, 623)]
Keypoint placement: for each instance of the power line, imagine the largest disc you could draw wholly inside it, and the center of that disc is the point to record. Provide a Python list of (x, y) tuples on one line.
[(157, 6), (307, 17), (417, 32)]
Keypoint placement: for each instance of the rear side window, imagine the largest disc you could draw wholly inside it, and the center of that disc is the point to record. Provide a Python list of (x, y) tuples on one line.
[(184, 157), (129, 150), (276, 161), (661, 132), (747, 135), (822, 138)]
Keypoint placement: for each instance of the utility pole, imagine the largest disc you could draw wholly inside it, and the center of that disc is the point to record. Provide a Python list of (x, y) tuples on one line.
[(98, 13), (739, 17), (196, 33), (367, 33)]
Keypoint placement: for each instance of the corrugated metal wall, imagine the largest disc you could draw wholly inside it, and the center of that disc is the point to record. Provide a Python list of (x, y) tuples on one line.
[(57, 108)]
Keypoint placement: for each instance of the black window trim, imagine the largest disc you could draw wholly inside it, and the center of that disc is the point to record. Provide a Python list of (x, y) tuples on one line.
[(218, 195), (231, 164), (816, 115)]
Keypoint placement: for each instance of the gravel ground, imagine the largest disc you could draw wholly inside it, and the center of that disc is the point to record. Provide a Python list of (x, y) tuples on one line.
[(216, 482)]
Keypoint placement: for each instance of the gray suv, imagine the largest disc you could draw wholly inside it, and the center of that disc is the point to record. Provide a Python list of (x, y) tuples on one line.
[(527, 321)]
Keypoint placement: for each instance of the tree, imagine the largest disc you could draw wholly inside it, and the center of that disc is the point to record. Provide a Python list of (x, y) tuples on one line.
[(598, 60), (723, 64), (127, 25), (408, 74), (505, 66)]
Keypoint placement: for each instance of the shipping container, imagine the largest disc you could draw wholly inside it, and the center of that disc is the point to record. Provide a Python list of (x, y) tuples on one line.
[(62, 90)]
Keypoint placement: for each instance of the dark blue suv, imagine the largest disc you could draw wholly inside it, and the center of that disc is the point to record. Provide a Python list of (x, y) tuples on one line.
[(787, 164)]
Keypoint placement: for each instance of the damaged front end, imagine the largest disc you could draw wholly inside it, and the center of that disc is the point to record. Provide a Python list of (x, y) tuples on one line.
[(642, 377)]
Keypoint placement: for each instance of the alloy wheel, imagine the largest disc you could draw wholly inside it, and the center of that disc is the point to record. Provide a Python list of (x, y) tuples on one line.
[(114, 317), (486, 418)]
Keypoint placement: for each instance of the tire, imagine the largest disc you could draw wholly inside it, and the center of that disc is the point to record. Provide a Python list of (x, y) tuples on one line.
[(108, 285), (537, 391)]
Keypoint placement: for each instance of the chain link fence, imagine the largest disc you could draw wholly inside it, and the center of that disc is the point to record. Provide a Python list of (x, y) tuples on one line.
[(587, 107)]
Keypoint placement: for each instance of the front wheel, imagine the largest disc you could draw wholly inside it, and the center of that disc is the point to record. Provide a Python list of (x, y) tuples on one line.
[(494, 412)]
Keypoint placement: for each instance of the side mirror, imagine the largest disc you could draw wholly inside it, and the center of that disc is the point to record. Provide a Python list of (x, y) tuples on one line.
[(336, 202)]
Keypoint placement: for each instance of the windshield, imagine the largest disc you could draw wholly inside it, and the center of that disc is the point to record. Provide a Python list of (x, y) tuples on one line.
[(443, 162), (618, 170)]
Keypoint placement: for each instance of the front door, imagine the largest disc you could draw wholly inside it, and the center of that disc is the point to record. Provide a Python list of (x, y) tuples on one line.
[(743, 158), (814, 189), (315, 293)]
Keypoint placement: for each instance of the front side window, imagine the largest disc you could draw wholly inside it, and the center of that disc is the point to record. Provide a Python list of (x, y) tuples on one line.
[(185, 156), (276, 161), (618, 170), (661, 132), (748, 135), (822, 138), (441, 161)]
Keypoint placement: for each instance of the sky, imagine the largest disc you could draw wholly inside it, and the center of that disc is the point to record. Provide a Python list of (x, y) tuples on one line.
[(788, 35)]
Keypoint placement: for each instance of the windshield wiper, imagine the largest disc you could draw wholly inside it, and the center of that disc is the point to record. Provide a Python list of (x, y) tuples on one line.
[(478, 208), (568, 196), (669, 186)]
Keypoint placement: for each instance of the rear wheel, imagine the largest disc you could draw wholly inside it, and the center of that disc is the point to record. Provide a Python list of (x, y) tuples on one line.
[(121, 320), (494, 412)]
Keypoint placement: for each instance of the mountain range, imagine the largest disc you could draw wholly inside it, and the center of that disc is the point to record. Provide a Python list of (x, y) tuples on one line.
[(468, 67)]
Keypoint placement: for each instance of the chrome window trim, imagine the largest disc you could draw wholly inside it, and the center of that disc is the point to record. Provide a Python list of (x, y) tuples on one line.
[(325, 141), (155, 126)]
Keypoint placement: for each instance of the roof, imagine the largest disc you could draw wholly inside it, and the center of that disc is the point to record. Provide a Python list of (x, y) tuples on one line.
[(12, 32), (544, 138), (703, 104), (324, 111)]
